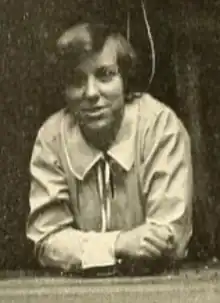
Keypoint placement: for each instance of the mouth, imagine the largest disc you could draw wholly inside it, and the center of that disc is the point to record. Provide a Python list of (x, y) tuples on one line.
[(95, 112)]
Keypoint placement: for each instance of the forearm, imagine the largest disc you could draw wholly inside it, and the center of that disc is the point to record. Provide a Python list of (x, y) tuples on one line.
[(74, 250)]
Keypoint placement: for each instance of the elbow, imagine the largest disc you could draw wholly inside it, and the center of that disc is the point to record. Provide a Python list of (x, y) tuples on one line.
[(180, 249), (53, 257)]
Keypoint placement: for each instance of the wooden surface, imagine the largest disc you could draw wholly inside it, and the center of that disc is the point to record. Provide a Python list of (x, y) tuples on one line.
[(188, 286)]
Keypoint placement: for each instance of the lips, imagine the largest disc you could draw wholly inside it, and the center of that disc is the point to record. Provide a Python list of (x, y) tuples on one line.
[(95, 112)]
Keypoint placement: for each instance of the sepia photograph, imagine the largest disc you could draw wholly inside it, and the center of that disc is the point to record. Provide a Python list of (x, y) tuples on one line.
[(110, 144)]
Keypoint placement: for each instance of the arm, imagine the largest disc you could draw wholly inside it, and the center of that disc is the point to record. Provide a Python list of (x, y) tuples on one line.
[(167, 188), (50, 222)]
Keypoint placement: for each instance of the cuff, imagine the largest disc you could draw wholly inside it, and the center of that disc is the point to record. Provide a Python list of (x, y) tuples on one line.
[(99, 250)]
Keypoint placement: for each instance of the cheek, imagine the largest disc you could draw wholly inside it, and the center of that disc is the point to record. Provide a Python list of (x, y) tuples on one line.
[(73, 93), (73, 97), (113, 89)]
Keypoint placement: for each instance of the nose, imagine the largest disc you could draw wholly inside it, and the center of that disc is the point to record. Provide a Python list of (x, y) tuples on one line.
[(91, 89)]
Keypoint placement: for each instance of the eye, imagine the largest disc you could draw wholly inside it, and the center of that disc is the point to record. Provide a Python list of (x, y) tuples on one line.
[(106, 74), (78, 79)]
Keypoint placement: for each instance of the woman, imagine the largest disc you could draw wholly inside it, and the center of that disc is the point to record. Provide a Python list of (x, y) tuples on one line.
[(111, 173)]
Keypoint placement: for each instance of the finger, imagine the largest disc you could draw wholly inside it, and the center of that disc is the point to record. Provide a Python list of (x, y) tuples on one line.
[(149, 250), (161, 236), (158, 242)]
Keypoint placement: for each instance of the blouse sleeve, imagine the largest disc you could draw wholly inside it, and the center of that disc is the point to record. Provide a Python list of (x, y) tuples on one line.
[(50, 222)]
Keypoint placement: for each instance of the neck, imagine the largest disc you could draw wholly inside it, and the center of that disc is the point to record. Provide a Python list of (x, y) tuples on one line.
[(103, 138)]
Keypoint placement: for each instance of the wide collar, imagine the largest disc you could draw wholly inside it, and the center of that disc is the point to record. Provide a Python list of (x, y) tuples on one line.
[(82, 157)]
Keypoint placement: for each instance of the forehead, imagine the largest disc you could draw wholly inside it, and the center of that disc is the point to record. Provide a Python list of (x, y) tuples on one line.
[(106, 57)]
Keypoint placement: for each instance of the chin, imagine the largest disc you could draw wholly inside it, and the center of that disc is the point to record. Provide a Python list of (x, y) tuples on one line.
[(100, 126)]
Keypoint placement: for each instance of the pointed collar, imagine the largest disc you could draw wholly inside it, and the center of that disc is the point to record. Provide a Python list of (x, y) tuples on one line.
[(82, 157)]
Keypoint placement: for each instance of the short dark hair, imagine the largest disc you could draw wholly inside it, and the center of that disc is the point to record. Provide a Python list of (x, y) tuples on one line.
[(80, 41)]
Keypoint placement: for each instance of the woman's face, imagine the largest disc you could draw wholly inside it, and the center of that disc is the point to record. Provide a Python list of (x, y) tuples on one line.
[(96, 92)]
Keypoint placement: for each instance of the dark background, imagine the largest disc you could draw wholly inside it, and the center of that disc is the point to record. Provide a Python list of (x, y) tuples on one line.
[(187, 42)]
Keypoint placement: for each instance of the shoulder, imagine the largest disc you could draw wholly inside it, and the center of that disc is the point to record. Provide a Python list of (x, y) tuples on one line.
[(50, 129), (151, 108), (158, 121), (48, 139), (155, 113)]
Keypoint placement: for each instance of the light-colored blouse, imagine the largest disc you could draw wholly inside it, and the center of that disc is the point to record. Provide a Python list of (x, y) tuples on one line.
[(150, 163)]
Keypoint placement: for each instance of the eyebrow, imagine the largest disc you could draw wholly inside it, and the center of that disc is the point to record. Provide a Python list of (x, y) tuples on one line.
[(104, 66)]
